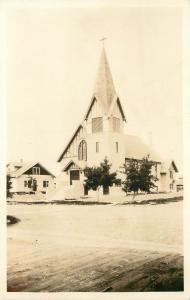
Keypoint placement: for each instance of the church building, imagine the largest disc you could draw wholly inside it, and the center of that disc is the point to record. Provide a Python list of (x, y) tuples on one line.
[(102, 133)]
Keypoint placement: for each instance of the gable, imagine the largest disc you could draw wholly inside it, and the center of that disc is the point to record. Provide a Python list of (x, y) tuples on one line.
[(25, 169), (71, 165), (43, 171), (71, 149), (116, 111), (120, 109), (173, 166), (95, 109)]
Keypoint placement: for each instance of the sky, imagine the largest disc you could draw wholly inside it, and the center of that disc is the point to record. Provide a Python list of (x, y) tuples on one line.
[(52, 60)]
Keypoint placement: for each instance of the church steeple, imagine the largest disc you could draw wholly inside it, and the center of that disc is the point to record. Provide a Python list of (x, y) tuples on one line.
[(104, 90)]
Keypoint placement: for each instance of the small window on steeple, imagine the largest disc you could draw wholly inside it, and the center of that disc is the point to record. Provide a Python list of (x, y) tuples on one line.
[(116, 124), (117, 147), (97, 147)]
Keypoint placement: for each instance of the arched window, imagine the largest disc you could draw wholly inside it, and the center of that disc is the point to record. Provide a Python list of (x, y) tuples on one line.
[(82, 150)]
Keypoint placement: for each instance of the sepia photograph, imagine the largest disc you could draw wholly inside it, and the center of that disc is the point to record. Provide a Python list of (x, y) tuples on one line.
[(94, 158)]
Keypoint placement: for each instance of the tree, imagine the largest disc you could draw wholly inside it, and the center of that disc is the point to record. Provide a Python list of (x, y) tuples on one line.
[(100, 176), (9, 186), (139, 176), (131, 183), (147, 179), (93, 178)]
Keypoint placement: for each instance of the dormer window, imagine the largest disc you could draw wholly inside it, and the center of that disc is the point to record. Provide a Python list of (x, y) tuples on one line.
[(36, 170), (97, 124)]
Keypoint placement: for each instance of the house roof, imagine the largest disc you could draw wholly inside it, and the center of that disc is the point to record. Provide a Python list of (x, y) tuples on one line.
[(136, 148), (25, 167), (13, 166), (166, 166)]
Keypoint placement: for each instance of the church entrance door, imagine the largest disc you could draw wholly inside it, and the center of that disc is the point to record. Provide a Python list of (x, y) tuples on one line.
[(74, 175)]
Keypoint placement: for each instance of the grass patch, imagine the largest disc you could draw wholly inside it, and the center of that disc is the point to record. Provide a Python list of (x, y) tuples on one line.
[(154, 201), (60, 202)]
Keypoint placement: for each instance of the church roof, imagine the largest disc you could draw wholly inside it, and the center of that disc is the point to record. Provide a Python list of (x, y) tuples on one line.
[(137, 149)]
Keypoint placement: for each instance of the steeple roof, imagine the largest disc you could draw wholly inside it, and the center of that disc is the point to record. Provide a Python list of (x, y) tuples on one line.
[(104, 90)]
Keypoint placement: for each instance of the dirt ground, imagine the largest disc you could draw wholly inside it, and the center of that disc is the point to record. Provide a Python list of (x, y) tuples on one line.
[(96, 249)]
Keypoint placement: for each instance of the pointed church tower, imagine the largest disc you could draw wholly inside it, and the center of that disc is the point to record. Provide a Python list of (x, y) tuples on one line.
[(101, 133), (104, 87), (104, 90)]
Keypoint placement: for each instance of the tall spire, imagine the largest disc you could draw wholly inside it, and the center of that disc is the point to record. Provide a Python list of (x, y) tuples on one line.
[(104, 87)]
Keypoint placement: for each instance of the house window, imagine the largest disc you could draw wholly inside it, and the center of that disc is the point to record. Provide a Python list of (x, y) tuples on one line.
[(171, 186), (117, 146), (116, 124), (82, 150), (97, 147), (171, 174), (97, 124), (28, 183), (36, 170), (45, 183)]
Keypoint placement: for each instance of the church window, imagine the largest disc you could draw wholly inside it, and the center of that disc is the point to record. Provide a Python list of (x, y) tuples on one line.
[(171, 174), (82, 150), (117, 146), (97, 147), (97, 124), (116, 124)]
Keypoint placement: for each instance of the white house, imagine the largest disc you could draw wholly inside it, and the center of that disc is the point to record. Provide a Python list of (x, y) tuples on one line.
[(30, 178), (102, 134)]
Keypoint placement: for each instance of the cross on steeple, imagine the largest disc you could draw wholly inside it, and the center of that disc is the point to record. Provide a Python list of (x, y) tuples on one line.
[(102, 40)]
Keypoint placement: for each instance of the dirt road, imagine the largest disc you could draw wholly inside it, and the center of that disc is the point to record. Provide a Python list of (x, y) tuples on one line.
[(94, 249)]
